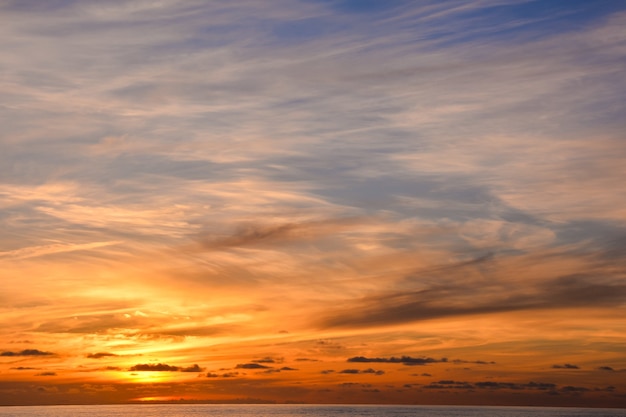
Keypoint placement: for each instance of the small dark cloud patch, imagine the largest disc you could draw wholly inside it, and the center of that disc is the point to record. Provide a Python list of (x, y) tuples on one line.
[(100, 355), (566, 366), (27, 352), (46, 374), (224, 375), (112, 368), (449, 384), (194, 368), (306, 360), (24, 368), (251, 366), (541, 386), (606, 368), (572, 389), (159, 367), (404, 360), (287, 368), (361, 371), (373, 371), (268, 359), (461, 361)]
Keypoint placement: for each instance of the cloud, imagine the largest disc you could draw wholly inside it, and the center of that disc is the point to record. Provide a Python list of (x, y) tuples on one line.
[(194, 368), (491, 385), (159, 367), (446, 300), (255, 234), (542, 386), (405, 360), (100, 355), (381, 166), (162, 367), (565, 366), (461, 361), (27, 352), (46, 374), (224, 375), (251, 366), (32, 252), (268, 359)]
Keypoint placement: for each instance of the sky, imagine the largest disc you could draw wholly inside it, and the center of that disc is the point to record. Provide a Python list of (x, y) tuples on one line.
[(318, 201)]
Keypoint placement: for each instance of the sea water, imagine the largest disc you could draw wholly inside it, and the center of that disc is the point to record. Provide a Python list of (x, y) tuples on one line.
[(189, 410)]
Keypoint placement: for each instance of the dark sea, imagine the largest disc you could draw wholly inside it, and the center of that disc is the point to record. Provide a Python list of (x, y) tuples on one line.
[(178, 410)]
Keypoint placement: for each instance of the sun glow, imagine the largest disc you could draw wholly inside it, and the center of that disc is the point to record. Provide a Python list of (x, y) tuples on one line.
[(161, 398)]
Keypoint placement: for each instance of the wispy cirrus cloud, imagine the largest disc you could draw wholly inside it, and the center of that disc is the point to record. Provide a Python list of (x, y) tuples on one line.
[(201, 182)]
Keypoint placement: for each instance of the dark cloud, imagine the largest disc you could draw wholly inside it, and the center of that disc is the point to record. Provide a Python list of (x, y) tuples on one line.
[(372, 371), (361, 371), (574, 291), (46, 374), (606, 368), (449, 384), (274, 370), (566, 366), (306, 360), (27, 352), (570, 388), (159, 367), (251, 234), (461, 361), (542, 386), (24, 368), (162, 367), (100, 355), (405, 360), (224, 375), (268, 359), (256, 234), (491, 385), (194, 368), (251, 366)]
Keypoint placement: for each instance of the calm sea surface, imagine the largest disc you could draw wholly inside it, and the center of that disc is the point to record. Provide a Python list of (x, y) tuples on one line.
[(168, 410)]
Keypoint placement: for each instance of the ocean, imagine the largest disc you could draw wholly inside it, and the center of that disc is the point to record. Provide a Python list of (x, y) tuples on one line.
[(189, 410)]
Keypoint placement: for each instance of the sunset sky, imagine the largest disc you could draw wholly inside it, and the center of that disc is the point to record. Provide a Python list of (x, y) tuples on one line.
[(321, 201)]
